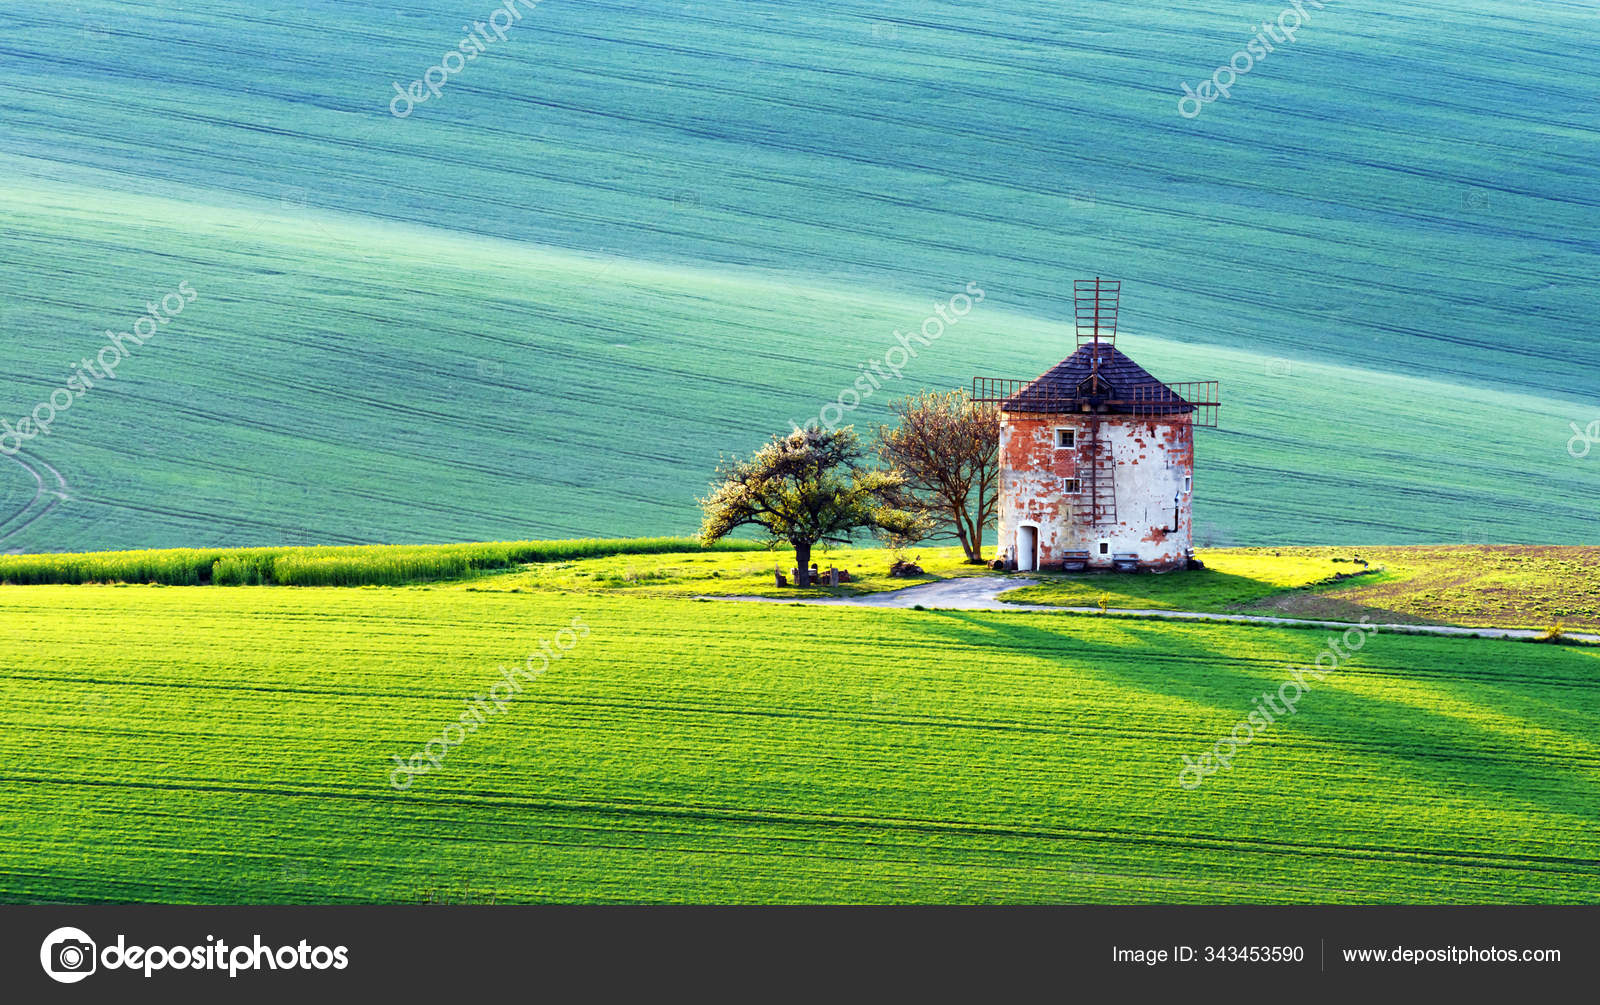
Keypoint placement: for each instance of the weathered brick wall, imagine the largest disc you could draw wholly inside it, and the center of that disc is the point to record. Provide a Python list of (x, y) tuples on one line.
[(1152, 459)]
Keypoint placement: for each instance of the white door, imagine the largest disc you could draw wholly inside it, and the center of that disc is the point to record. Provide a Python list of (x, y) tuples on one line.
[(1027, 549)]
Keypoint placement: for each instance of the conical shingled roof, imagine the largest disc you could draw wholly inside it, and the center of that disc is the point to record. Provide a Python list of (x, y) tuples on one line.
[(1067, 388)]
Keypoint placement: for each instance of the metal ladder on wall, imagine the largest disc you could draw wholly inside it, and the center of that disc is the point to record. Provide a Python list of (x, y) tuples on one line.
[(1099, 480)]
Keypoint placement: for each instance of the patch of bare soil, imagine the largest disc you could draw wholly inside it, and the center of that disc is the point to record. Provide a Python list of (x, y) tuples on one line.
[(1314, 606)]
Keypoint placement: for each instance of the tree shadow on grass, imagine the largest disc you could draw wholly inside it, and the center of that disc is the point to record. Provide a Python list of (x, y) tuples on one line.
[(1212, 591), (1397, 736), (1208, 588), (1200, 590)]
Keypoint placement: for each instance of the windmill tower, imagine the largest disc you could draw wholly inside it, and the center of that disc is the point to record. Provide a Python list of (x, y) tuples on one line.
[(1097, 455)]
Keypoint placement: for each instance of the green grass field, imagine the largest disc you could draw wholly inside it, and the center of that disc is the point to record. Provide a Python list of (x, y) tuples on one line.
[(208, 745), (1464, 585), (634, 238), (1229, 581), (1487, 586), (730, 573), (630, 239), (1472, 585)]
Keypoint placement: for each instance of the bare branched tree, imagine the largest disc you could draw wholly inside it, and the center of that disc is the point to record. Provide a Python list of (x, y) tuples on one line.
[(946, 451)]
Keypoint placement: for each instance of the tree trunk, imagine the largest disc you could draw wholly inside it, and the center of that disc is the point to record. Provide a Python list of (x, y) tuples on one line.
[(971, 543), (802, 564), (966, 544)]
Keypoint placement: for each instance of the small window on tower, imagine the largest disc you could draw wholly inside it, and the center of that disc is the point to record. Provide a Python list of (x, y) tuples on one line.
[(1188, 484), (1071, 486), (1105, 547), (1066, 439)]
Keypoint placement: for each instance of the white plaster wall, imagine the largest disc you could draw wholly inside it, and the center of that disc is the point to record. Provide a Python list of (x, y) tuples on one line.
[(1152, 461)]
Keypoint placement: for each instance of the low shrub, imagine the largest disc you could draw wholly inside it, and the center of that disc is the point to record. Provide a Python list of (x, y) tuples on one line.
[(360, 565)]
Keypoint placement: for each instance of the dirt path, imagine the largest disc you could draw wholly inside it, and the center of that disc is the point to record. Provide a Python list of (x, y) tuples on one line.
[(981, 593)]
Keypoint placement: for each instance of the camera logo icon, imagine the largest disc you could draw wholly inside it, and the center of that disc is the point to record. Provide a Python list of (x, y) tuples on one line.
[(68, 955)]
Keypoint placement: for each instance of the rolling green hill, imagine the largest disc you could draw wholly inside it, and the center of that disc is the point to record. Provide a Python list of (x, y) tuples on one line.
[(203, 745), (347, 379), (630, 238)]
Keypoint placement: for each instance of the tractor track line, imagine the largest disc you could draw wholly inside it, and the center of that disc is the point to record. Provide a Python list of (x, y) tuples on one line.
[(59, 494)]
